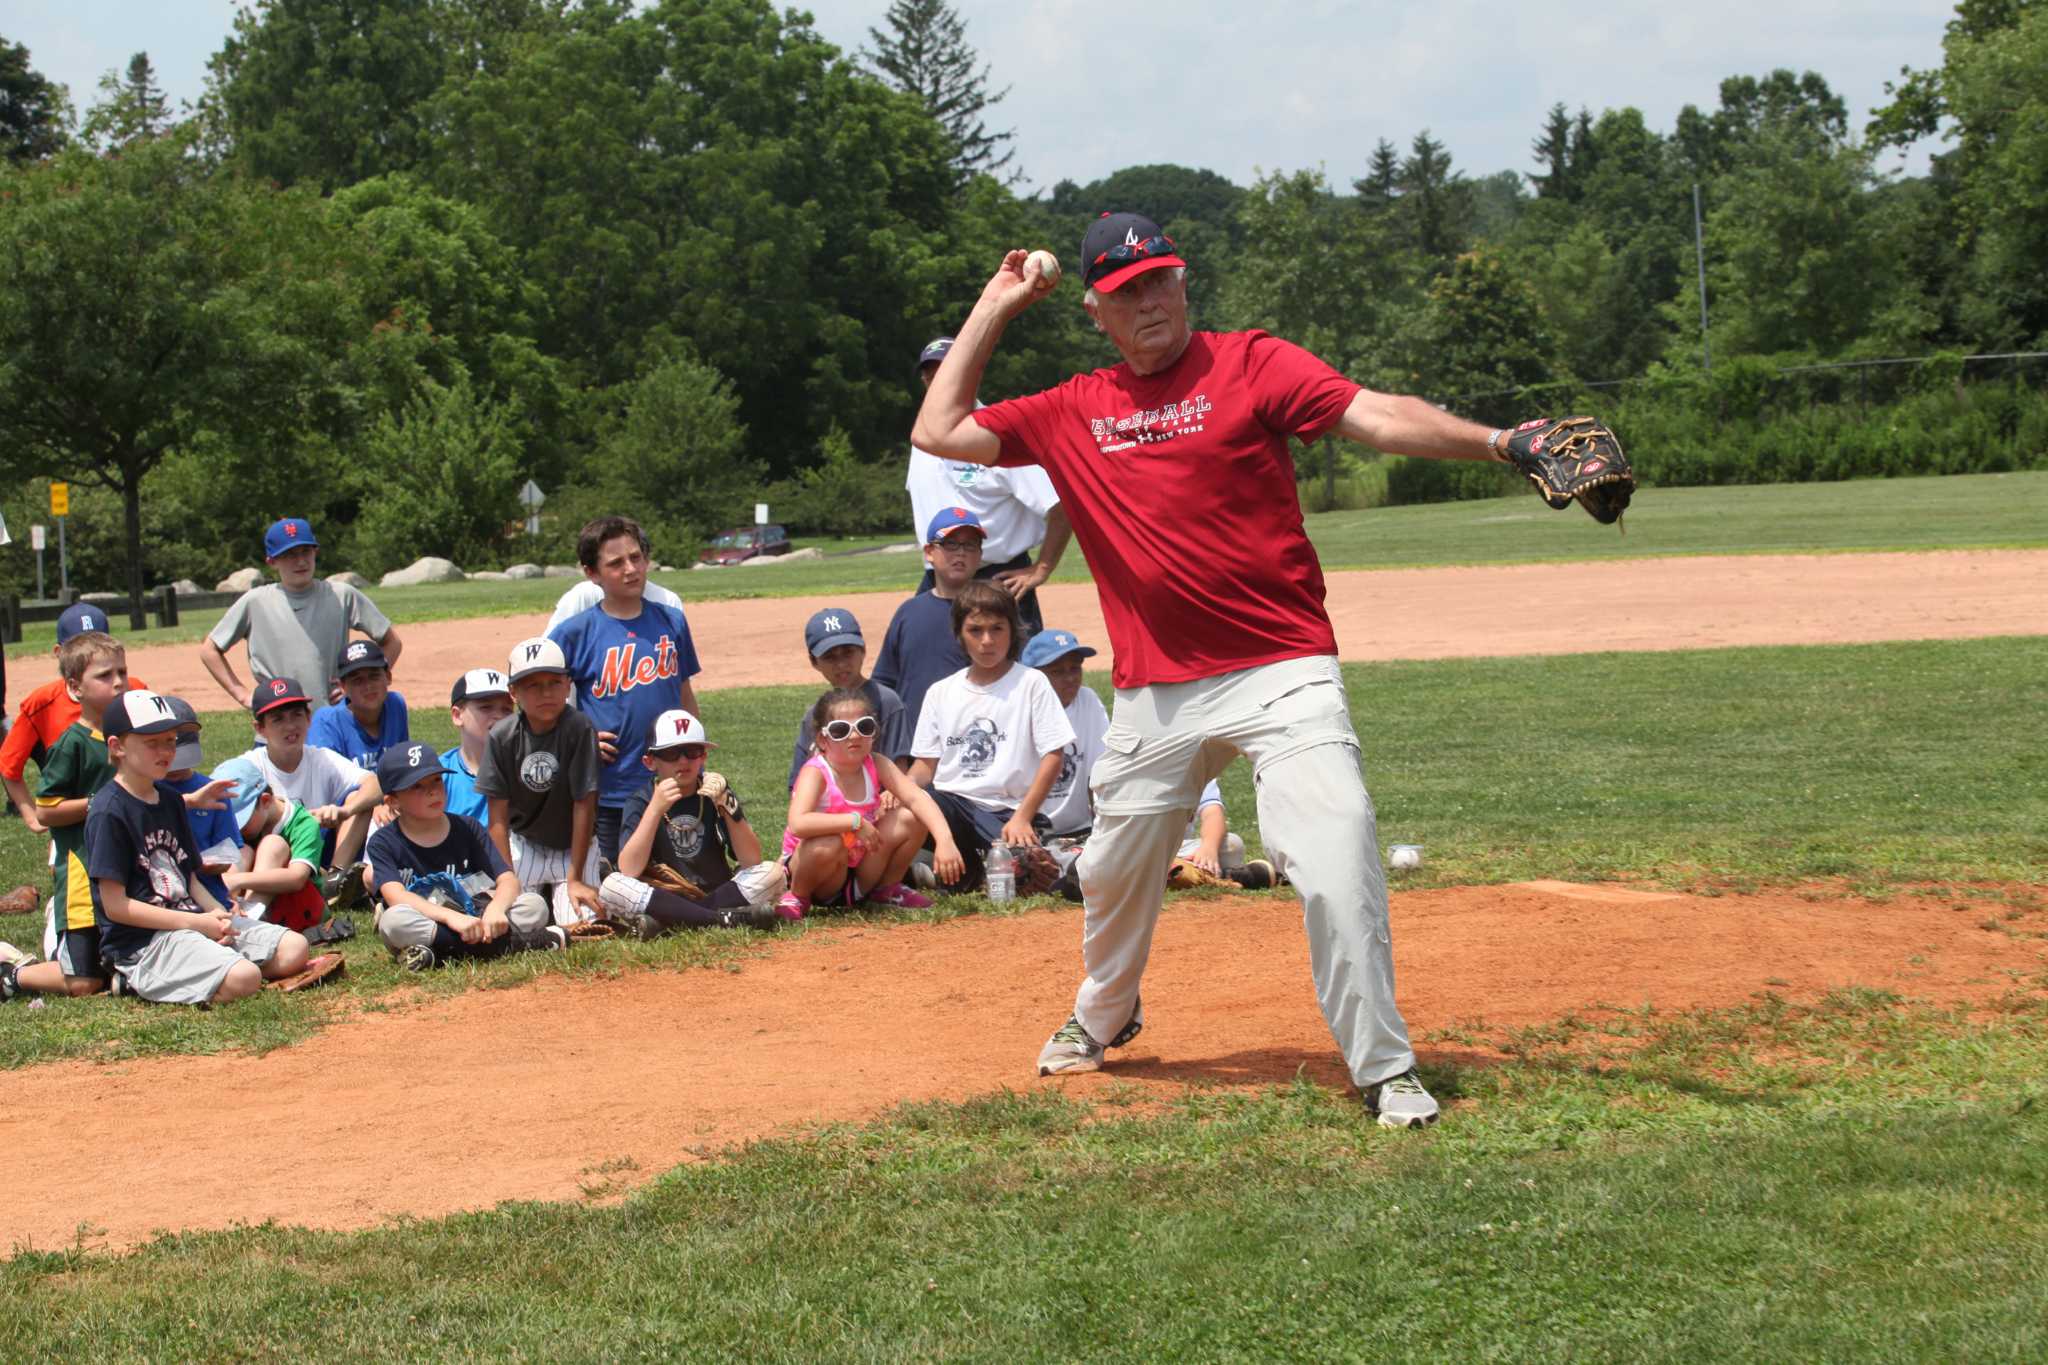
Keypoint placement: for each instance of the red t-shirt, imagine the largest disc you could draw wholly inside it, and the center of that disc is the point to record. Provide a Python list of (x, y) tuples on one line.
[(45, 714), (1180, 488)]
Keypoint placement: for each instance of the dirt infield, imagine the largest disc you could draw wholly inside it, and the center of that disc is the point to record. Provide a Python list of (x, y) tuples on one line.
[(570, 1089), (1646, 604)]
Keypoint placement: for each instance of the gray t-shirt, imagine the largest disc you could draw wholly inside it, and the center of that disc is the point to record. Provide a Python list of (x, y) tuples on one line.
[(541, 777), (299, 635)]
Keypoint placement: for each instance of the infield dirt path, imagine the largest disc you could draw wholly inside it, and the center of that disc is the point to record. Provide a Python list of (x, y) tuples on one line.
[(1644, 604), (525, 1094)]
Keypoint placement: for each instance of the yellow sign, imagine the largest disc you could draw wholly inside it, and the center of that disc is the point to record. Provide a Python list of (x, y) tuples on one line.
[(60, 499)]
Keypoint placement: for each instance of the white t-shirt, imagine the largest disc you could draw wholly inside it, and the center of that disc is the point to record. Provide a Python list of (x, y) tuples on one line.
[(1067, 805), (584, 595), (1011, 503), (323, 778), (987, 740)]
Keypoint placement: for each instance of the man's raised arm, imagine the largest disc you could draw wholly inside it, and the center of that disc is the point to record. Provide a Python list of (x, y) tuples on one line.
[(945, 424)]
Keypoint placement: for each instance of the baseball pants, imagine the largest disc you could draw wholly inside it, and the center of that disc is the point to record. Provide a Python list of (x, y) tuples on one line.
[(1164, 743), (546, 871), (402, 926)]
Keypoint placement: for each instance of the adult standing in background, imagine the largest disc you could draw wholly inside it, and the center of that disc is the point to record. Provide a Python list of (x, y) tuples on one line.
[(1018, 509)]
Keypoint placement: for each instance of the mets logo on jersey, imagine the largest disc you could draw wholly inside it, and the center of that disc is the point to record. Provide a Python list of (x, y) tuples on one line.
[(627, 667)]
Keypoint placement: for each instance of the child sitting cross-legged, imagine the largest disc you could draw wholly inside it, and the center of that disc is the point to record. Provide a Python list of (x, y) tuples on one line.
[(448, 892), (680, 835), (991, 738), (276, 877), (840, 846), (165, 936)]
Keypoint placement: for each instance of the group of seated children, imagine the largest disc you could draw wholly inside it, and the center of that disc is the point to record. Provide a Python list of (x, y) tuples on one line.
[(180, 886)]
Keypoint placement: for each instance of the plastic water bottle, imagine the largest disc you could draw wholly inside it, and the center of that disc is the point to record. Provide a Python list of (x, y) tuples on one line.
[(1002, 873)]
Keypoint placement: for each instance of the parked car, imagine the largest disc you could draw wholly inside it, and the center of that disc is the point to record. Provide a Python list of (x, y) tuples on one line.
[(743, 543)]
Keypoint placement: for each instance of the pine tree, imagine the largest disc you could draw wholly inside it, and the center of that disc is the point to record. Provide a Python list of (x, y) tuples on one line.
[(925, 53), (1381, 183), (130, 107), (1554, 151)]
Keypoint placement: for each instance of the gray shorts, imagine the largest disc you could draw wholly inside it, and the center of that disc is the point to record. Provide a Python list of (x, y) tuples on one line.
[(185, 967)]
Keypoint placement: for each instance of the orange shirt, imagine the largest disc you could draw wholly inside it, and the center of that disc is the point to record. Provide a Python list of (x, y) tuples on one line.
[(45, 714)]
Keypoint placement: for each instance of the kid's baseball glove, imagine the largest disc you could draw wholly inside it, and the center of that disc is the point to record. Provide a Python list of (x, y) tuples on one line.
[(1574, 458), (587, 930), (1037, 869), (668, 879), (714, 788)]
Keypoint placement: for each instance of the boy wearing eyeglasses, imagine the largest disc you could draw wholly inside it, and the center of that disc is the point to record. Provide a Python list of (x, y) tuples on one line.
[(687, 856)]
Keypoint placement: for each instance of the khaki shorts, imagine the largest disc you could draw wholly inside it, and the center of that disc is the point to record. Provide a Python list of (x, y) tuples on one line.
[(185, 967)]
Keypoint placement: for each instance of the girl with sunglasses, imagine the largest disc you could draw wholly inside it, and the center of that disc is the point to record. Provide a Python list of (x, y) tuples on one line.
[(840, 846)]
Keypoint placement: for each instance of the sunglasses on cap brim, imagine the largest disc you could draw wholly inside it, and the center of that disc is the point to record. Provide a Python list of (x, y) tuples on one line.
[(865, 727), (1124, 253)]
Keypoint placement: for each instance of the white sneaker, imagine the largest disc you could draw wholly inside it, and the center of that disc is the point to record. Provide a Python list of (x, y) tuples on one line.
[(1401, 1101), (13, 956)]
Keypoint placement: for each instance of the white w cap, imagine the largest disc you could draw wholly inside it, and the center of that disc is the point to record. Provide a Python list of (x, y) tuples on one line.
[(538, 655), (673, 729)]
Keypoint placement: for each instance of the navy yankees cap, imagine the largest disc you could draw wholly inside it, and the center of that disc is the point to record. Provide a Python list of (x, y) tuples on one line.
[(139, 713), (831, 628), (1120, 246), (403, 765), (934, 351), (359, 655), (80, 618), (1049, 645), (288, 534)]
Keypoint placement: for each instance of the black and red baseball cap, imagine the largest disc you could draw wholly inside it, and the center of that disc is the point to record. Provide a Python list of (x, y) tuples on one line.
[(1121, 246), (276, 692)]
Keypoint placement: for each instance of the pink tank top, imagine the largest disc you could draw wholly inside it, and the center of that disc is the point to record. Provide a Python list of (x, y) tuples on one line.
[(836, 803)]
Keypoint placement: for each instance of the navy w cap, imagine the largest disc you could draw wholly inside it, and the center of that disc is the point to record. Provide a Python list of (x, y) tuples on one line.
[(934, 351), (1050, 645), (80, 618), (288, 534), (402, 765), (1121, 246), (831, 628)]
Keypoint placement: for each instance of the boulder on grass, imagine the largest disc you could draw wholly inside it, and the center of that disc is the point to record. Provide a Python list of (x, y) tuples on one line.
[(430, 569), (561, 571), (490, 576), (353, 579), (517, 571), (241, 580), (185, 587)]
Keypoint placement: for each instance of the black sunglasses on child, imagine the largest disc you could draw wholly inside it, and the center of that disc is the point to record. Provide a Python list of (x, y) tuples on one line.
[(865, 727)]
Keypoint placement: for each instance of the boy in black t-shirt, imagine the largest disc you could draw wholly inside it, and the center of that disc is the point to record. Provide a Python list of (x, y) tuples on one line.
[(540, 772), (680, 834), (162, 932), (447, 891)]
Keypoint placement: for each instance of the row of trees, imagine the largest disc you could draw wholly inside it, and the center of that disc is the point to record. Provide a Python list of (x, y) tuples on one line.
[(408, 253)]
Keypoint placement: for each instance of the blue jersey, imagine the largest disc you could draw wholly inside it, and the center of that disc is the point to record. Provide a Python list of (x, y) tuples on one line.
[(460, 784), (627, 673), (336, 728), (213, 831)]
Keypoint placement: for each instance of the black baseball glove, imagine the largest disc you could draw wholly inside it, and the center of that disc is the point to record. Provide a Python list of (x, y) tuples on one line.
[(1574, 458)]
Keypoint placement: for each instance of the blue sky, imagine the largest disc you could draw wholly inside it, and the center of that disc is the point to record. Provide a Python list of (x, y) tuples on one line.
[(1241, 87)]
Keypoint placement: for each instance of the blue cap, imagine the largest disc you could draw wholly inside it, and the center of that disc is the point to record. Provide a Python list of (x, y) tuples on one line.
[(402, 765), (288, 534), (949, 520), (934, 351), (250, 784), (831, 628), (80, 618), (1048, 645)]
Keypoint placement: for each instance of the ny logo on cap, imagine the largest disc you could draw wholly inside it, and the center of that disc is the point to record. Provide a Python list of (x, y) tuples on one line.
[(291, 530), (830, 623), (358, 649)]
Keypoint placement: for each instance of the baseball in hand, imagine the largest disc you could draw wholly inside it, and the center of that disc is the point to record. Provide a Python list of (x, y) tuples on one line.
[(1048, 267)]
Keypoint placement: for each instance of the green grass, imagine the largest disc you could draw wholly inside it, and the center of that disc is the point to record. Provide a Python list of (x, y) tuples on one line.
[(1702, 770), (1692, 1196), (1968, 511)]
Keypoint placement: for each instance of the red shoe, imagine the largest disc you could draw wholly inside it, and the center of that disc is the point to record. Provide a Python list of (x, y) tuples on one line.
[(791, 906)]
